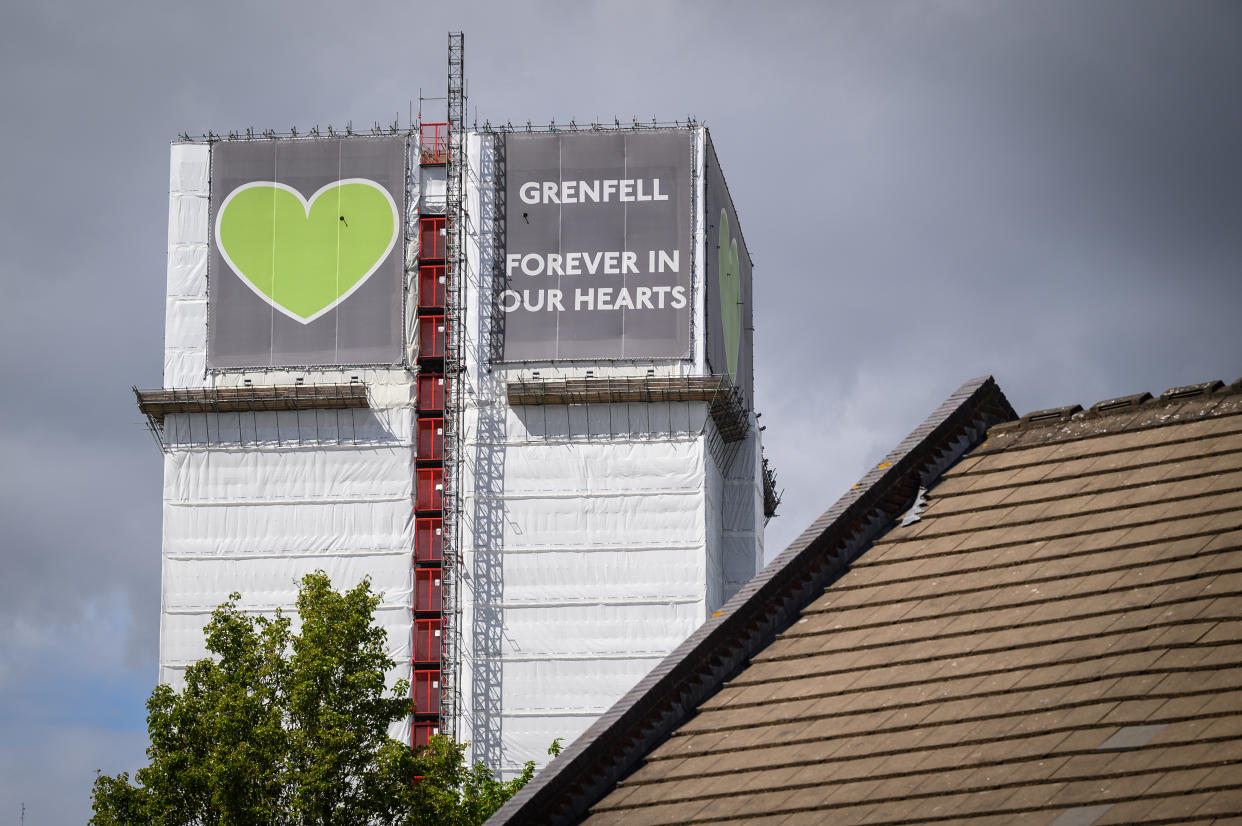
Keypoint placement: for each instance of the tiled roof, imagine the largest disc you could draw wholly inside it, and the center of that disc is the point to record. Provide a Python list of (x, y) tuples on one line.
[(616, 743), (1054, 638)]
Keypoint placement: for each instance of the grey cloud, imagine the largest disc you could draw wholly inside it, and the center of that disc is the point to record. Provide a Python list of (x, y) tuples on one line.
[(1045, 191)]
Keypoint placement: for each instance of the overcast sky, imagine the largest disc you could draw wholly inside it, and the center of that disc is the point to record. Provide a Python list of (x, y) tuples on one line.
[(1050, 192)]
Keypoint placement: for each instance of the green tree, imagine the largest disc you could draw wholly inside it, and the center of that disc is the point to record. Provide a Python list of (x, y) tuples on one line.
[(282, 728), (450, 794)]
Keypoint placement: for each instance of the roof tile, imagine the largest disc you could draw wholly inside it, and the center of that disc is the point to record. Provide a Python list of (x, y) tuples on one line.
[(1066, 584)]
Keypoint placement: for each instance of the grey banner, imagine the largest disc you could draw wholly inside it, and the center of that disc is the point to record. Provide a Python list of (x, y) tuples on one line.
[(305, 268), (730, 322), (597, 245)]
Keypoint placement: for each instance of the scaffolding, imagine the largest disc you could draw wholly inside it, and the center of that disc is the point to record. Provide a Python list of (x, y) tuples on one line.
[(158, 403), (724, 401), (454, 376), (208, 402), (440, 310)]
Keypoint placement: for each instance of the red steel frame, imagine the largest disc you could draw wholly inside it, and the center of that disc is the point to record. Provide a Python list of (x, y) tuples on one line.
[(429, 454), (429, 440), (430, 392), (427, 591), (429, 490), (420, 733), (433, 143), (427, 641), (432, 237), (431, 287), (428, 539), (431, 336), (427, 691)]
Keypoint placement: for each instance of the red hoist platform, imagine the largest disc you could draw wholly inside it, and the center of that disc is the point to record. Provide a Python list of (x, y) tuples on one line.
[(429, 452)]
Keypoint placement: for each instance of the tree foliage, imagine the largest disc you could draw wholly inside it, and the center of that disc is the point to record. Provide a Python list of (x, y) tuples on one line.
[(450, 794), (292, 728)]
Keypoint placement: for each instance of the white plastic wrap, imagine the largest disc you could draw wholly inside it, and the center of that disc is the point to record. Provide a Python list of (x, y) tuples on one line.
[(594, 534), (273, 528), (255, 500), (743, 512), (434, 187), (713, 532), (585, 522), (589, 469), (255, 516), (321, 429), (614, 422), (595, 537), (596, 570), (187, 271), (229, 476), (523, 736), (585, 632), (185, 324), (568, 578), (185, 368), (183, 632), (738, 555), (189, 171), (554, 687), (187, 218), (700, 291), (412, 184)]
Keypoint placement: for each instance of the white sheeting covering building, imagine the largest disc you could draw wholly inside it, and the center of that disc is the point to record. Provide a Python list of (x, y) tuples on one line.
[(253, 501), (595, 537)]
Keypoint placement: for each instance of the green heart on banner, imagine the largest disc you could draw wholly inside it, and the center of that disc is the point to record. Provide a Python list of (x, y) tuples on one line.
[(729, 277), (302, 256)]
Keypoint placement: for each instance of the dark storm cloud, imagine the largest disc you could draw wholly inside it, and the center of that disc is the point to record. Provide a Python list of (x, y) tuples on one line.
[(1038, 191), (1048, 191)]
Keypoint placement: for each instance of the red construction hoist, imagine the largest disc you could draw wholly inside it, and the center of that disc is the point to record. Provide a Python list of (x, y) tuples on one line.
[(429, 453), (440, 311)]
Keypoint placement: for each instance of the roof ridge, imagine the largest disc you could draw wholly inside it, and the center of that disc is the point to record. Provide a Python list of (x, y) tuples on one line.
[(1017, 448), (1079, 423), (616, 743)]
